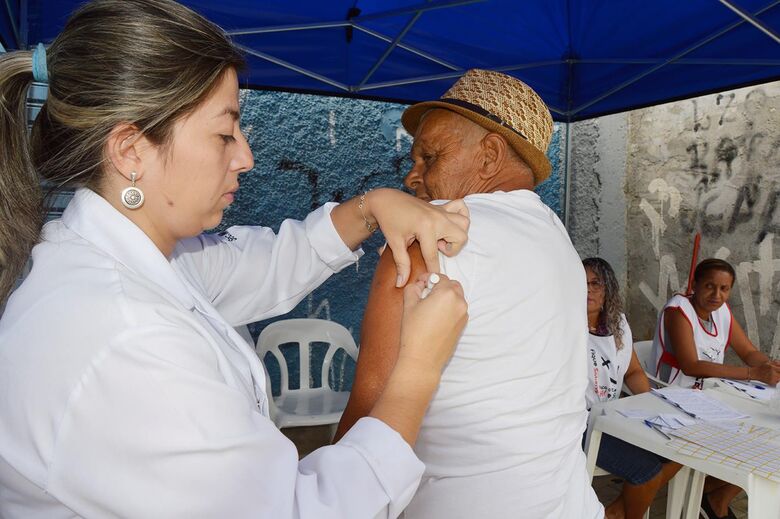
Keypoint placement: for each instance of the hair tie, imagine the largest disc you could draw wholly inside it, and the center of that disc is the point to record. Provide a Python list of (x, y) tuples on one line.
[(39, 70)]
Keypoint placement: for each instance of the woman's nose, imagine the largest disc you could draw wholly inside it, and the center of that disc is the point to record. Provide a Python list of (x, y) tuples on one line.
[(244, 160)]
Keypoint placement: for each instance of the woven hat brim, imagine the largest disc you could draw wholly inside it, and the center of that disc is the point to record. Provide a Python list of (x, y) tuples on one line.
[(535, 158)]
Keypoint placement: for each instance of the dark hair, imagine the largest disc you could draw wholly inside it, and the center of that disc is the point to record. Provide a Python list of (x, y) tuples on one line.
[(713, 264), (610, 317), (142, 62)]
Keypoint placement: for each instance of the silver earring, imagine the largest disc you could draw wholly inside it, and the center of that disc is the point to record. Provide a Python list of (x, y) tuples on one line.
[(132, 197)]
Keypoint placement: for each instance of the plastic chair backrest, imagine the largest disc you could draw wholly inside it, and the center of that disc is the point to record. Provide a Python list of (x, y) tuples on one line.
[(304, 332), (644, 352)]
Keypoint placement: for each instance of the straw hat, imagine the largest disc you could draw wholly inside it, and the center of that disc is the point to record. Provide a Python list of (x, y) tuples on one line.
[(500, 104)]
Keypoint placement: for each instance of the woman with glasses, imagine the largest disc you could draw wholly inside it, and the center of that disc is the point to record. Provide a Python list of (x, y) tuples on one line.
[(612, 362)]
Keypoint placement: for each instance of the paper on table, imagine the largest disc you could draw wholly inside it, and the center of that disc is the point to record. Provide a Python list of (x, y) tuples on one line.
[(697, 404), (637, 413), (747, 446), (671, 421), (665, 420), (755, 390)]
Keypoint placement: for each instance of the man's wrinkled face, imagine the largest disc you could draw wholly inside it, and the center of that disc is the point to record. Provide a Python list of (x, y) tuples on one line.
[(446, 155)]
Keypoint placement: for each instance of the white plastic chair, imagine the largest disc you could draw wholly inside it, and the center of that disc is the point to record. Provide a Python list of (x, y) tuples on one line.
[(644, 352), (307, 405)]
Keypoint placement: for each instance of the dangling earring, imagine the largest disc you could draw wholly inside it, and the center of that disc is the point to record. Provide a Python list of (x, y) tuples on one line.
[(132, 197)]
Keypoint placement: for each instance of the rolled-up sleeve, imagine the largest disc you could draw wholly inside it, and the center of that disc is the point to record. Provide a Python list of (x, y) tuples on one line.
[(251, 273)]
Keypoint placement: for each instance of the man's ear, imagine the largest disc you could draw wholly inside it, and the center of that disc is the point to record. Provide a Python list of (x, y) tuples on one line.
[(122, 150), (494, 155)]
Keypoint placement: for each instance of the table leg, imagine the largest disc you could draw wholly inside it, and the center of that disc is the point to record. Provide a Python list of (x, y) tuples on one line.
[(694, 495), (592, 453), (678, 487), (763, 498)]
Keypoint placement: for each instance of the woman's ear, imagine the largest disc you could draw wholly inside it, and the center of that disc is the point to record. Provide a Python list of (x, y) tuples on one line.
[(122, 150), (494, 154)]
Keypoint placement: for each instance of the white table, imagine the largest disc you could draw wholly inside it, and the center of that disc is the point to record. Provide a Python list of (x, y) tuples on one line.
[(763, 494)]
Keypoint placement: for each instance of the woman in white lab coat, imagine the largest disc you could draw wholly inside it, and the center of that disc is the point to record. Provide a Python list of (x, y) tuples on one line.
[(124, 391)]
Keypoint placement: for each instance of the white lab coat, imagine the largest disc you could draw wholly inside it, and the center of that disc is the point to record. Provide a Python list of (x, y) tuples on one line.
[(125, 391)]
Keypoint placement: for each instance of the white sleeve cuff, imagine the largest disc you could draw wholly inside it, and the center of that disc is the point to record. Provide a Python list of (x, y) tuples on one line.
[(325, 240), (397, 468)]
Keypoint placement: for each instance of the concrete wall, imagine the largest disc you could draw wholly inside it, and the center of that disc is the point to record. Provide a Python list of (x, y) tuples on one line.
[(310, 150), (596, 217), (708, 164)]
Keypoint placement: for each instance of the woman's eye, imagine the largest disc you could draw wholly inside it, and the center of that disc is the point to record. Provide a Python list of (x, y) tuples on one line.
[(228, 138)]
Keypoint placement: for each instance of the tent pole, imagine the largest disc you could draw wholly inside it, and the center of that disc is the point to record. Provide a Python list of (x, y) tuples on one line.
[(288, 28), (389, 49), (290, 66), (455, 74), (408, 48), (752, 20), (427, 6), (673, 59), (430, 6), (14, 25)]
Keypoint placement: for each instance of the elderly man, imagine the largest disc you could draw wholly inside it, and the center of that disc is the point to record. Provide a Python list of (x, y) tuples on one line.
[(502, 437)]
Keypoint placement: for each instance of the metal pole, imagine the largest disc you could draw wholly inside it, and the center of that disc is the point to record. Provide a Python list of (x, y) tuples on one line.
[(752, 20)]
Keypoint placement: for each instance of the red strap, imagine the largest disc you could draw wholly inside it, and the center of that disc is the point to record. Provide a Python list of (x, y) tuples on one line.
[(669, 359)]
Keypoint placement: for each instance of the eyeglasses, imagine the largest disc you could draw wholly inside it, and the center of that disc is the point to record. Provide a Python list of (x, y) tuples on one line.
[(595, 285)]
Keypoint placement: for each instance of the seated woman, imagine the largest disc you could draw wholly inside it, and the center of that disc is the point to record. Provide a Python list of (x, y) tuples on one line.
[(690, 341), (612, 362)]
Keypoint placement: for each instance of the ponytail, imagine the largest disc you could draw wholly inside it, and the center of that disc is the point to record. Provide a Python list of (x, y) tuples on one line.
[(21, 208)]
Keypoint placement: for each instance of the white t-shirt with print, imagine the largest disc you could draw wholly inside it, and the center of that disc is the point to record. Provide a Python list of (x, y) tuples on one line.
[(607, 365)]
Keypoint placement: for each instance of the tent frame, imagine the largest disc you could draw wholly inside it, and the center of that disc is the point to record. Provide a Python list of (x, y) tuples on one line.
[(569, 113)]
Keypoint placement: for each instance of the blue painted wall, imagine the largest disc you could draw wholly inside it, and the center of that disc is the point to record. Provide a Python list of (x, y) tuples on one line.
[(310, 150)]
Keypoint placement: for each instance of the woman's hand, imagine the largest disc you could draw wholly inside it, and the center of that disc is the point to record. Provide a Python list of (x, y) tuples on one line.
[(404, 218), (430, 327), (766, 372)]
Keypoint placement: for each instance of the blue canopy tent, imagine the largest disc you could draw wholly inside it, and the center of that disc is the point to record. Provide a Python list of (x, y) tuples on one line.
[(585, 57)]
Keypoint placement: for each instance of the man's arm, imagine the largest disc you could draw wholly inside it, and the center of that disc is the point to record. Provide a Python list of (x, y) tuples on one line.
[(379, 337)]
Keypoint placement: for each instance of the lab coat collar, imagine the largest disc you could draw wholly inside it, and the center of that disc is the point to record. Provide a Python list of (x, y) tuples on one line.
[(90, 216)]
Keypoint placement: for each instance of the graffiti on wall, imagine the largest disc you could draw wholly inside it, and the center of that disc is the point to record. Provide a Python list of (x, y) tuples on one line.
[(707, 165)]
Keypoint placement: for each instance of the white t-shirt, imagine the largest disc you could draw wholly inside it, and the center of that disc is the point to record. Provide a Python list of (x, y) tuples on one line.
[(607, 365), (710, 344), (126, 392), (502, 437)]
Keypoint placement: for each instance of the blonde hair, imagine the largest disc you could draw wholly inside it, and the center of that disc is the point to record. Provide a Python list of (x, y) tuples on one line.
[(143, 62)]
